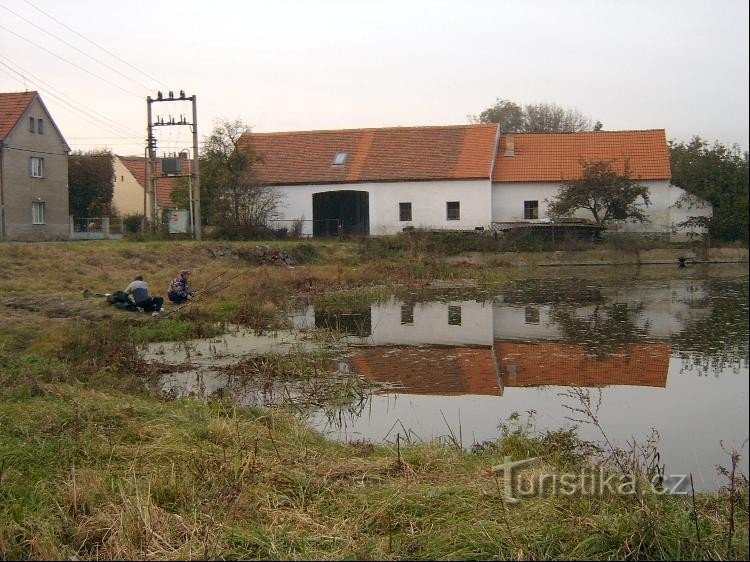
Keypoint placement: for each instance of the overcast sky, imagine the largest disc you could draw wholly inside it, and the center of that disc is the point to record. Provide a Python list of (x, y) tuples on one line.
[(296, 65)]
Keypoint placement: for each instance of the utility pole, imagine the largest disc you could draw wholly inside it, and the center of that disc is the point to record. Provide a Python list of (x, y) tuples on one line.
[(194, 173), (148, 188)]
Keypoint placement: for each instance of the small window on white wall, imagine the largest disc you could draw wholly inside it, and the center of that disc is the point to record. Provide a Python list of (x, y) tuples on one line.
[(530, 210), (453, 210), (36, 167), (404, 211), (37, 212), (40, 126)]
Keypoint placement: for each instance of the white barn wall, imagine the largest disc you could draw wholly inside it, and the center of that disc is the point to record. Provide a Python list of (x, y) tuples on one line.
[(428, 199), (508, 204)]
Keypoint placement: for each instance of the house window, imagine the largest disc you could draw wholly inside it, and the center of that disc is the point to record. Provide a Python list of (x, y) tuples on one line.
[(31, 124), (532, 315), (36, 167), (340, 159), (407, 313), (40, 126), (453, 210), (531, 210), (454, 315), (404, 211), (37, 212)]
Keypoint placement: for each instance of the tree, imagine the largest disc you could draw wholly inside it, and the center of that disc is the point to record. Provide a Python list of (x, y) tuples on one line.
[(717, 174), (508, 114), (609, 195), (90, 183), (230, 195), (552, 118), (535, 118)]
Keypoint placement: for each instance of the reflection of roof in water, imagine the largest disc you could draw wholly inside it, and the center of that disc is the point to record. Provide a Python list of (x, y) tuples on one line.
[(430, 370), (562, 364)]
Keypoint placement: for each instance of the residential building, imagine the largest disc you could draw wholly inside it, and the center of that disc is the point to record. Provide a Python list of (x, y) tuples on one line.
[(129, 194), (33, 171)]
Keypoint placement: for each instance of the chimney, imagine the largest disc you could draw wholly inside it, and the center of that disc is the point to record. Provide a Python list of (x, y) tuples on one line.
[(509, 146)]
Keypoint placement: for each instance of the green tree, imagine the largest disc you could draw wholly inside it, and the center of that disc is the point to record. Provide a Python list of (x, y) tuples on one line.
[(608, 194), (230, 195), (90, 183), (717, 174), (535, 118), (508, 114)]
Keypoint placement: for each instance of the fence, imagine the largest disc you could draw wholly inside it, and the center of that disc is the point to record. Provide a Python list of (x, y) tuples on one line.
[(305, 228), (95, 228)]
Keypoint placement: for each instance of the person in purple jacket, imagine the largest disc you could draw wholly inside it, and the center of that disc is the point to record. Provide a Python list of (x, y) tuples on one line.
[(179, 291)]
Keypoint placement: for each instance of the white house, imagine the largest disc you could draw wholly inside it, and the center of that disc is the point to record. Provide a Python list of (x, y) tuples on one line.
[(463, 177)]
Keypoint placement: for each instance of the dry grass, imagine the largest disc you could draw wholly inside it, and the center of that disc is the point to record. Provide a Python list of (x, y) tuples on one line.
[(94, 467)]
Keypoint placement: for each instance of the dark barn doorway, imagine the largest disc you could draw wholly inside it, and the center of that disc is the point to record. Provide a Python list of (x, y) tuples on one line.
[(350, 209)]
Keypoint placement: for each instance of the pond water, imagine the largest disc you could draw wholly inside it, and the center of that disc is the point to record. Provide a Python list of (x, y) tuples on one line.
[(666, 347), (660, 347)]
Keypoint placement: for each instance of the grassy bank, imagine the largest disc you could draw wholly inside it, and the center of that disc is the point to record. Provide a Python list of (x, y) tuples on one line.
[(95, 465)]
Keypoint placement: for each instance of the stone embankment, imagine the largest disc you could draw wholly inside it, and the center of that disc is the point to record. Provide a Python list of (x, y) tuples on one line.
[(664, 256)]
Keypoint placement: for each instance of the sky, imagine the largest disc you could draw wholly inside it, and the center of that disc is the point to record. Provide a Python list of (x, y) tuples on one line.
[(333, 64)]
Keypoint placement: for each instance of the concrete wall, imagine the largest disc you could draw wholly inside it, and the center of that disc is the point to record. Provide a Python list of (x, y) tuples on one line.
[(20, 189), (428, 199), (664, 211), (127, 196)]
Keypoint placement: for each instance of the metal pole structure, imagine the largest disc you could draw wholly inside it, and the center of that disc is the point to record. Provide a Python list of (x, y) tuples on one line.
[(150, 180), (196, 171), (147, 160), (145, 188), (190, 193)]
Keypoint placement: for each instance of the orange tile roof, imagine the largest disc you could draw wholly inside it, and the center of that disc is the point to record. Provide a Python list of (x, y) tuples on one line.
[(556, 156), (388, 154), (12, 107), (449, 152), (562, 364), (435, 370), (164, 185)]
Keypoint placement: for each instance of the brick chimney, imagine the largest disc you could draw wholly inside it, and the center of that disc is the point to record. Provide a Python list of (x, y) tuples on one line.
[(509, 145)]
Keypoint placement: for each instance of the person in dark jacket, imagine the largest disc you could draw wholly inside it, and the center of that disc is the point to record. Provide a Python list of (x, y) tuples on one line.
[(179, 290), (139, 290)]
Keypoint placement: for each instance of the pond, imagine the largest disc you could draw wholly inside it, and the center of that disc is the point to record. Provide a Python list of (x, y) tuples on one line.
[(662, 348)]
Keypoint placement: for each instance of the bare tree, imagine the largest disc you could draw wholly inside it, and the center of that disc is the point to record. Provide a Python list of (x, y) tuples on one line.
[(535, 118), (234, 199), (553, 118)]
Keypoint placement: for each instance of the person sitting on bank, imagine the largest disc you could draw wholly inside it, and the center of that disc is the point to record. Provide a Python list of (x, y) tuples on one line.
[(179, 291), (139, 289)]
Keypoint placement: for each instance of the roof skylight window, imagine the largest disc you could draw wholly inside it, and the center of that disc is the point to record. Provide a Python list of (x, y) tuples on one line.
[(340, 158)]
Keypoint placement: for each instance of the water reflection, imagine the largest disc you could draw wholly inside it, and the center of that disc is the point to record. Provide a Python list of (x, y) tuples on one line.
[(646, 339)]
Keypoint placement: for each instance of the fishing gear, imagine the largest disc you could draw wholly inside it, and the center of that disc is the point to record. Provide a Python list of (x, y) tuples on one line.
[(88, 293)]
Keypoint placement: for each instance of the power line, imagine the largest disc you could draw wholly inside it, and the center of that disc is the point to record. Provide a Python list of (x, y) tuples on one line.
[(81, 113), (72, 63), (95, 43), (102, 119), (74, 47)]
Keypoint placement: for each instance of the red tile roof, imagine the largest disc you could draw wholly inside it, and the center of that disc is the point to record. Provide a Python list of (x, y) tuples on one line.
[(434, 370), (164, 186), (449, 152), (12, 107), (389, 154), (556, 156), (562, 364)]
